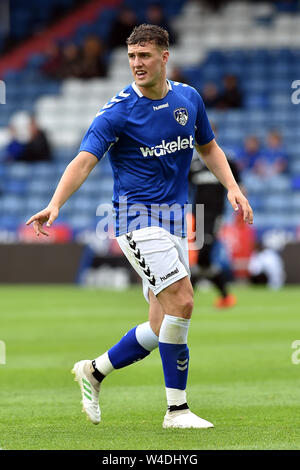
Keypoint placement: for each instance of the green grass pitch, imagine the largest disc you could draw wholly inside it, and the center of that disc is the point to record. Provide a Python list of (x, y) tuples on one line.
[(241, 374)]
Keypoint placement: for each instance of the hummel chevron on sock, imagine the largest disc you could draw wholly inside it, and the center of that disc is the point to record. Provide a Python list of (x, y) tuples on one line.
[(175, 358)]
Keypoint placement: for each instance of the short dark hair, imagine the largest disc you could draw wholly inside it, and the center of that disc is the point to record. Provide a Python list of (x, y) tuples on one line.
[(149, 33)]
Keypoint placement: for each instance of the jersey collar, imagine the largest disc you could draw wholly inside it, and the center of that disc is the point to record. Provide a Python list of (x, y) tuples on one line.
[(140, 94)]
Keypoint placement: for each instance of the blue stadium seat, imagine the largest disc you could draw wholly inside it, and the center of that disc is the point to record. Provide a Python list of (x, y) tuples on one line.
[(17, 187), (279, 183), (294, 202), (43, 169), (10, 222), (80, 221), (34, 204), (18, 171), (12, 204), (256, 100), (41, 188), (256, 201), (275, 203)]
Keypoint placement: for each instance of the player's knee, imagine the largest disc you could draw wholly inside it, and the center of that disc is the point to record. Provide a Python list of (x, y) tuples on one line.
[(183, 303), (177, 299)]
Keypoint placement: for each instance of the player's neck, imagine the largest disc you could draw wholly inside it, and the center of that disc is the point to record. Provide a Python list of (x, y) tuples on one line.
[(155, 92)]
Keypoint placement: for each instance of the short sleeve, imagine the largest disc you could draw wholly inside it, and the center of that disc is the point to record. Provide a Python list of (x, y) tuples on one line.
[(204, 133), (99, 137)]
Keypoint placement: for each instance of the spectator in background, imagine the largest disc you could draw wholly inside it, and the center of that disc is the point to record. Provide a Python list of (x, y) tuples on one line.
[(15, 147), (91, 61), (122, 27), (249, 155), (177, 75), (231, 96), (266, 267), (70, 62), (53, 61), (19, 128), (155, 15), (29, 143), (210, 95), (73, 61), (62, 62), (274, 160), (37, 148)]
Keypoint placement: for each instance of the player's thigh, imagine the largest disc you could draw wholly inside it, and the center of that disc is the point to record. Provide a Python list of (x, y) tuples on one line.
[(159, 258)]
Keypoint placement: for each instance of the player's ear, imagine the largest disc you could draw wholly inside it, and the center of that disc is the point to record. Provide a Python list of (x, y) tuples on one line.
[(165, 56)]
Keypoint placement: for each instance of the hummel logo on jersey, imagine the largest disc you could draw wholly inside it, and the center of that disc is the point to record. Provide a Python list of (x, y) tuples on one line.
[(168, 147), (161, 106)]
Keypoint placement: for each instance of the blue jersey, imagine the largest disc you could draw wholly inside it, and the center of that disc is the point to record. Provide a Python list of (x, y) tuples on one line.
[(150, 146)]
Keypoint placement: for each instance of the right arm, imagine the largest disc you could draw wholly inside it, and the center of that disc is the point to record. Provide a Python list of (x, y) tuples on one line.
[(74, 175)]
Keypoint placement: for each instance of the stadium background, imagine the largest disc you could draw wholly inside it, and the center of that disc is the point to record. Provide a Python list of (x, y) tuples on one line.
[(259, 43)]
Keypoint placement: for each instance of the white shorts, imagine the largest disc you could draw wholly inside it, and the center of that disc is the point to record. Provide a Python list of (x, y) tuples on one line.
[(159, 257)]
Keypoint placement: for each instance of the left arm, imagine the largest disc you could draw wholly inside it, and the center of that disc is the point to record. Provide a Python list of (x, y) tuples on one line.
[(216, 161)]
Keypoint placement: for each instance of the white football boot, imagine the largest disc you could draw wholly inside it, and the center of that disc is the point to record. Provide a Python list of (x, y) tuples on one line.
[(90, 388), (185, 419)]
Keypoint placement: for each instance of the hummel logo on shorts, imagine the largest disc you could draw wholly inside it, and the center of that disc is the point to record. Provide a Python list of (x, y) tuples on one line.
[(164, 278)]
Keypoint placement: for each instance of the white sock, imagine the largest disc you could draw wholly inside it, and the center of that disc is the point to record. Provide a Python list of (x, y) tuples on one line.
[(175, 396), (103, 364)]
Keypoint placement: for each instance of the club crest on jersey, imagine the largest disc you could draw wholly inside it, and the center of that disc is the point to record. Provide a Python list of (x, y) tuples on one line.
[(181, 116)]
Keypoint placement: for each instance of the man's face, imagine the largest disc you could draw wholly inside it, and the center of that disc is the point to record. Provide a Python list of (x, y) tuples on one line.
[(147, 63), (252, 144)]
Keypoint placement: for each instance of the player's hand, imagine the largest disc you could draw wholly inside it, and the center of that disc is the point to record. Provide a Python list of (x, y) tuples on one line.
[(47, 215), (236, 199)]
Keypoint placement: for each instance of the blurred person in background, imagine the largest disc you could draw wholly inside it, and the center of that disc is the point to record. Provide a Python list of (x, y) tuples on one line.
[(231, 97), (210, 95), (155, 15), (210, 192), (19, 129), (37, 149), (53, 62), (91, 61), (29, 143), (122, 27), (14, 148), (266, 267), (249, 154), (274, 158), (70, 61), (177, 75)]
